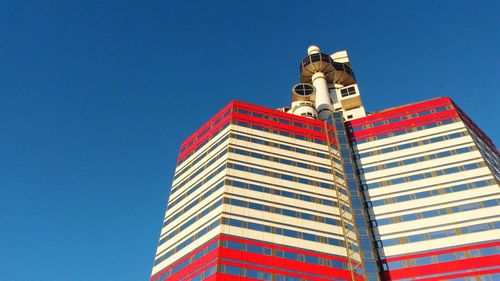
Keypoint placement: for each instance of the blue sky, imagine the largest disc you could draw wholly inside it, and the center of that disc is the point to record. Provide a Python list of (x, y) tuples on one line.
[(96, 97)]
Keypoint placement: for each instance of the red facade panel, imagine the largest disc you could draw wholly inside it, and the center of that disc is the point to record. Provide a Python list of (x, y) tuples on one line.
[(261, 116), (409, 123), (473, 264), (260, 262), (400, 111)]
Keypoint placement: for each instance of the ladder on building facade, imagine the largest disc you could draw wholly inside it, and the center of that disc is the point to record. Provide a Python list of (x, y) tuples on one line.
[(345, 210)]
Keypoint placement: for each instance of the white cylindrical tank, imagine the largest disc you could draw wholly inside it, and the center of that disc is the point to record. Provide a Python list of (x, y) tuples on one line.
[(303, 96), (323, 104), (304, 108)]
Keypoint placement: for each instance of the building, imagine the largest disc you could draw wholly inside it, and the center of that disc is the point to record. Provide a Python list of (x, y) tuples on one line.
[(431, 179), (321, 190)]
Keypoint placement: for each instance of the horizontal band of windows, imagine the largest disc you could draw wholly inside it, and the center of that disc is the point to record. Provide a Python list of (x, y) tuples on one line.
[(483, 274), (190, 222), (238, 246), (286, 147), (284, 212), (421, 186), (196, 186), (201, 157), (412, 144), (443, 224), (422, 168), (291, 187), (198, 171), (401, 118), (288, 194), (467, 254), (211, 190), (441, 234), (474, 128), (278, 224), (286, 177), (286, 121), (447, 171), (400, 111), (406, 131), (276, 159), (212, 123), (187, 261), (192, 149), (338, 172), (283, 231), (431, 193), (203, 275), (486, 149), (314, 209), (439, 212), (281, 132), (274, 265), (483, 140), (257, 274), (283, 154), (163, 256), (419, 159), (284, 247), (414, 154), (442, 250), (402, 128)]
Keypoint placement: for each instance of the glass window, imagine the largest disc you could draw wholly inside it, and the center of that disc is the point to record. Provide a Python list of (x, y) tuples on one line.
[(307, 216), (254, 249), (437, 235), (446, 257), (267, 251), (396, 265), (416, 238), (309, 237), (236, 223), (489, 251), (289, 213), (479, 227), (291, 233), (423, 261), (232, 270), (312, 259), (254, 206)]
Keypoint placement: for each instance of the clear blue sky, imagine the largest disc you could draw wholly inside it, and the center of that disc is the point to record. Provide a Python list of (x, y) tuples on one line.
[(96, 97)]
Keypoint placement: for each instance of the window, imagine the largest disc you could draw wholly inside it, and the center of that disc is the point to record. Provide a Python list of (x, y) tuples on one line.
[(349, 91)]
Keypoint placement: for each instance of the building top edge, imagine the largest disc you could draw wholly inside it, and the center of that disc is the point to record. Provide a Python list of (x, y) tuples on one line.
[(250, 107), (397, 109)]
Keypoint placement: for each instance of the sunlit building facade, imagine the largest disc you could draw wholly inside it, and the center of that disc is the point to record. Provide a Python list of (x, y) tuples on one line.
[(321, 190), (431, 176)]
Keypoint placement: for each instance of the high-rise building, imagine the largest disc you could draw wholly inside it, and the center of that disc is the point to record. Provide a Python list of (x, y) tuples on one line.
[(431, 180), (321, 190)]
